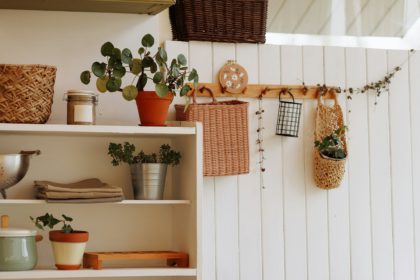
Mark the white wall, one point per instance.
(369, 228)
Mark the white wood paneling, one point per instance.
(415, 129)
(380, 179)
(358, 167)
(316, 198)
(367, 228)
(226, 197)
(338, 199)
(400, 136)
(250, 190)
(272, 195)
(294, 183)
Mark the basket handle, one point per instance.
(284, 91)
(321, 95)
(203, 88)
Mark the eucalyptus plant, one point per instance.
(167, 76)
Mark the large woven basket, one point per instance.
(225, 129)
(238, 21)
(328, 173)
(26, 93)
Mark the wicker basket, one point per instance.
(225, 129)
(237, 21)
(26, 93)
(328, 173)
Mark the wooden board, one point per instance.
(95, 259)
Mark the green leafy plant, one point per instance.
(126, 153)
(48, 220)
(332, 145)
(167, 76)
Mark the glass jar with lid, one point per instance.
(81, 107)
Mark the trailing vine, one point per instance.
(260, 139)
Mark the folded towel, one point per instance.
(53, 188)
(87, 183)
(64, 195)
(87, 200)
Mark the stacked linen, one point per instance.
(85, 191)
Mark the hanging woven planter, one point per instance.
(288, 116)
(328, 171)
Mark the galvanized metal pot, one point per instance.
(148, 180)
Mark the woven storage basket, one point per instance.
(26, 93)
(225, 129)
(328, 173)
(238, 21)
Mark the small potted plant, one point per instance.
(68, 244)
(169, 77)
(332, 146)
(148, 171)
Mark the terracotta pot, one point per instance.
(153, 109)
(68, 248)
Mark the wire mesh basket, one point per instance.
(288, 118)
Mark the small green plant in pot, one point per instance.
(68, 244)
(148, 171)
(169, 77)
(332, 146)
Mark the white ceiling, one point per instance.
(391, 18)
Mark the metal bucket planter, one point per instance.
(148, 180)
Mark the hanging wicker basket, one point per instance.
(26, 93)
(328, 172)
(225, 134)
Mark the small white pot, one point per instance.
(68, 248)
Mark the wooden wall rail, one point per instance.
(270, 91)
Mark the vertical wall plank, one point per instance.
(380, 179)
(203, 66)
(226, 197)
(338, 203)
(316, 198)
(414, 65)
(358, 166)
(272, 195)
(400, 131)
(294, 182)
(249, 189)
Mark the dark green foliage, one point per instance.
(332, 145)
(166, 78)
(48, 220)
(126, 153)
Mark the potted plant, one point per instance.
(68, 244)
(169, 77)
(332, 146)
(148, 171)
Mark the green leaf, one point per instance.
(106, 49)
(163, 55)
(67, 218)
(175, 71)
(119, 71)
(147, 62)
(141, 51)
(126, 56)
(182, 59)
(141, 83)
(101, 84)
(136, 66)
(161, 90)
(99, 69)
(193, 75)
(130, 92)
(157, 77)
(184, 90)
(67, 228)
(147, 41)
(113, 84)
(153, 68)
(116, 52)
(85, 77)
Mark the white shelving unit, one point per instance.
(71, 153)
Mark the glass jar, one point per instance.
(81, 107)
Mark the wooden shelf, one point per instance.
(103, 273)
(98, 130)
(124, 202)
(151, 7)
